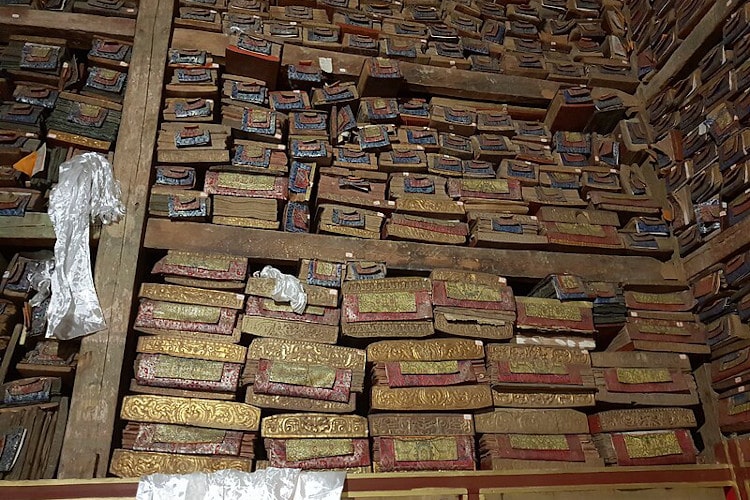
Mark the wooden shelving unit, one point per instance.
(94, 405)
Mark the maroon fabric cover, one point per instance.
(145, 319)
(499, 446)
(145, 374)
(683, 437)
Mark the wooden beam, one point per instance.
(718, 248)
(279, 247)
(689, 50)
(32, 230)
(589, 478)
(78, 29)
(88, 437)
(449, 82)
(709, 431)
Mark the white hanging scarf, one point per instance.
(86, 191)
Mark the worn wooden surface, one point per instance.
(689, 50)
(78, 29)
(95, 395)
(279, 247)
(709, 431)
(32, 230)
(602, 479)
(723, 245)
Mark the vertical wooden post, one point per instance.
(88, 437)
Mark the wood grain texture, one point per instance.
(278, 247)
(689, 51)
(88, 436)
(32, 230)
(78, 29)
(600, 479)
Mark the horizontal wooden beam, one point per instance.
(32, 230)
(77, 29)
(622, 478)
(280, 247)
(689, 49)
(718, 248)
(448, 82)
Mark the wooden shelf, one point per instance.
(471, 484)
(280, 247)
(77, 29)
(688, 52)
(718, 248)
(32, 230)
(449, 82)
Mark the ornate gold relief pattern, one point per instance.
(551, 309)
(307, 352)
(211, 262)
(424, 350)
(190, 295)
(186, 411)
(387, 302)
(387, 285)
(427, 449)
(537, 353)
(420, 424)
(126, 463)
(467, 397)
(306, 449)
(183, 348)
(306, 425)
(646, 418)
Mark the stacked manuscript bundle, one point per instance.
(179, 435)
(644, 436)
(646, 379)
(532, 439)
(661, 322)
(303, 376)
(264, 317)
(474, 305)
(187, 372)
(425, 376)
(538, 376)
(317, 441)
(422, 441)
(730, 371)
(387, 307)
(549, 321)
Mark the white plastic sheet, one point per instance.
(266, 484)
(288, 288)
(86, 191)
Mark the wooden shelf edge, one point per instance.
(718, 476)
(690, 46)
(34, 229)
(260, 244)
(718, 248)
(75, 27)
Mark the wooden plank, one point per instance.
(279, 247)
(689, 51)
(718, 248)
(88, 436)
(709, 431)
(450, 82)
(32, 230)
(601, 479)
(78, 29)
